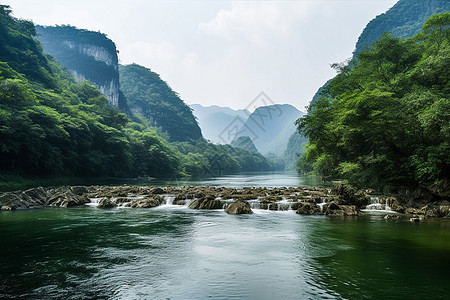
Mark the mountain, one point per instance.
(213, 120)
(404, 20)
(270, 127)
(87, 55)
(294, 150)
(150, 97)
(244, 142)
(50, 125)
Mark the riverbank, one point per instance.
(339, 201)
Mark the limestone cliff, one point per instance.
(87, 55)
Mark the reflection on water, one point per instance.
(177, 253)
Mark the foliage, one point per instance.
(50, 125)
(152, 98)
(53, 127)
(386, 122)
(404, 20)
(206, 159)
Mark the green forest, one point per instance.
(53, 126)
(385, 122)
(152, 100)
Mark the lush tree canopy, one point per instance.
(387, 120)
(50, 125)
(152, 98)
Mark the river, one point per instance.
(172, 252)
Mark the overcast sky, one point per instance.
(223, 52)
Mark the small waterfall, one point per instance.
(254, 204)
(284, 205)
(168, 199)
(377, 205)
(94, 201)
(321, 205)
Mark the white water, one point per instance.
(376, 206)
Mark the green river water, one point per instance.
(172, 252)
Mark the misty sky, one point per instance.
(223, 52)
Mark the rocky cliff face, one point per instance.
(87, 55)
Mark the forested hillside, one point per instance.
(151, 98)
(387, 120)
(51, 125)
(404, 20)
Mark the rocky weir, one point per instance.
(339, 201)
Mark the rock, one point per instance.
(391, 217)
(239, 207)
(66, 199)
(273, 206)
(35, 196)
(7, 208)
(333, 209)
(211, 204)
(444, 211)
(333, 206)
(196, 204)
(157, 191)
(12, 200)
(79, 190)
(106, 203)
(413, 211)
(414, 219)
(207, 202)
(147, 202)
(308, 209)
(349, 196)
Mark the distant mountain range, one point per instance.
(213, 120)
(268, 127)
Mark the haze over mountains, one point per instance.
(213, 120)
(268, 127)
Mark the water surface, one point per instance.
(172, 252)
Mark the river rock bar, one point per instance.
(339, 201)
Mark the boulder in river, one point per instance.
(106, 203)
(206, 203)
(308, 209)
(239, 207)
(334, 209)
(66, 199)
(147, 202)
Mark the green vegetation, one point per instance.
(244, 142)
(387, 120)
(53, 129)
(151, 98)
(51, 126)
(404, 20)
